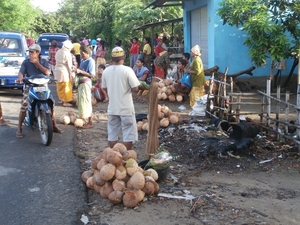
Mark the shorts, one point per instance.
(24, 102)
(128, 125)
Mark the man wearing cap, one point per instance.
(119, 81)
(33, 65)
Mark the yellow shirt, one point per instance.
(147, 48)
(76, 47)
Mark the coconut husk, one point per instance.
(152, 138)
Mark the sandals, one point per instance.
(19, 135)
(106, 100)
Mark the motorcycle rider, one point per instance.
(33, 65)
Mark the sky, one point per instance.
(46, 5)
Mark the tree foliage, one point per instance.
(110, 19)
(270, 26)
(17, 15)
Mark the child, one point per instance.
(142, 73)
(181, 88)
(98, 91)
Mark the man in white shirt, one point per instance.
(119, 81)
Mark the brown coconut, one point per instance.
(78, 122)
(129, 154)
(90, 183)
(140, 195)
(152, 173)
(131, 166)
(116, 197)
(101, 163)
(114, 158)
(95, 162)
(65, 119)
(137, 180)
(179, 98)
(139, 125)
(174, 119)
(105, 151)
(172, 98)
(119, 147)
(86, 175)
(120, 172)
(97, 188)
(107, 172)
(98, 180)
(130, 199)
(164, 122)
(150, 187)
(118, 185)
(106, 189)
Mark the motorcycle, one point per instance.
(40, 106)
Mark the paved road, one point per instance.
(38, 184)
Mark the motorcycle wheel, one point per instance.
(46, 129)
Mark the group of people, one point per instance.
(116, 82)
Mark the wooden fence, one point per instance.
(221, 105)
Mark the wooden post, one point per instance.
(268, 101)
(231, 97)
(277, 112)
(298, 112)
(298, 102)
(262, 108)
(287, 98)
(152, 138)
(210, 97)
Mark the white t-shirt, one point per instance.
(119, 79)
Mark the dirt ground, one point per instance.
(222, 189)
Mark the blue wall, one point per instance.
(225, 43)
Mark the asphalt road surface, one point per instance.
(38, 184)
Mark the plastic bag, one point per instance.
(186, 80)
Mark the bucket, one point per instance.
(243, 130)
(219, 123)
(162, 173)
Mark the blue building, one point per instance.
(221, 45)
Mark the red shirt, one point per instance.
(158, 49)
(135, 47)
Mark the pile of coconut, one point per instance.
(165, 117)
(71, 118)
(116, 176)
(166, 91)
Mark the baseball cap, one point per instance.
(98, 39)
(117, 54)
(35, 47)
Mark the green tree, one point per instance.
(47, 23)
(110, 19)
(16, 15)
(271, 26)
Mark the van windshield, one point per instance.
(46, 43)
(10, 47)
